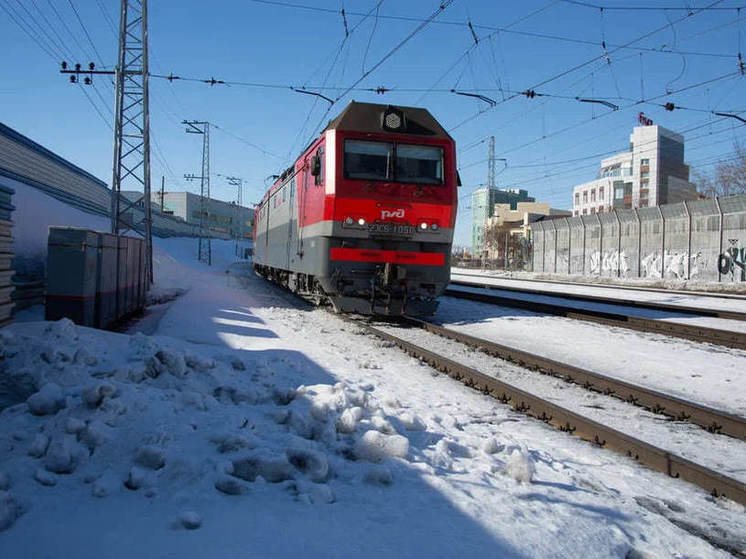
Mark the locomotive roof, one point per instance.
(366, 117)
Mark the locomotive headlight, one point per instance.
(423, 225)
(393, 121)
(361, 221)
(348, 221)
(434, 227)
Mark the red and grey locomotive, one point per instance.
(364, 218)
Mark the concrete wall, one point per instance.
(701, 240)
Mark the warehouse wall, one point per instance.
(52, 191)
(702, 240)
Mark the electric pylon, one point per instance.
(132, 127)
(204, 253)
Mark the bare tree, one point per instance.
(504, 248)
(729, 176)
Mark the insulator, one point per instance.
(77, 67)
(91, 66)
(87, 80)
(64, 65)
(669, 106)
(73, 79)
(530, 93)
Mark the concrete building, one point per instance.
(224, 217)
(651, 173)
(483, 202)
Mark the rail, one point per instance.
(735, 340)
(568, 421)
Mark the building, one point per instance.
(651, 173)
(483, 202)
(224, 217)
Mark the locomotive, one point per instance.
(364, 218)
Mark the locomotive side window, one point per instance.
(421, 164)
(367, 160)
(319, 177)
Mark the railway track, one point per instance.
(711, 419)
(652, 305)
(569, 421)
(722, 295)
(703, 334)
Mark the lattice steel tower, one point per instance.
(491, 163)
(132, 126)
(205, 249)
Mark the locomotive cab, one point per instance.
(374, 201)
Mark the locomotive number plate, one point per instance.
(395, 229)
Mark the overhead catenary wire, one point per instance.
(28, 31)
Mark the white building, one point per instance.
(651, 173)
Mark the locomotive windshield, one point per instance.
(373, 161)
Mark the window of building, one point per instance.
(577, 198)
(643, 203)
(593, 210)
(585, 211)
(600, 192)
(644, 174)
(619, 193)
(585, 197)
(593, 195)
(577, 212)
(644, 161)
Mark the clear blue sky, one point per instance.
(276, 44)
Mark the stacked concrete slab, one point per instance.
(702, 239)
(6, 254)
(95, 279)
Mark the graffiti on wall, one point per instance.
(733, 260)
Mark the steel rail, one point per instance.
(714, 420)
(568, 421)
(722, 295)
(735, 340)
(684, 309)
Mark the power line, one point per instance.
(80, 21)
(28, 32)
(644, 8)
(505, 30)
(581, 65)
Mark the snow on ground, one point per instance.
(710, 301)
(724, 288)
(249, 424)
(704, 373)
(728, 325)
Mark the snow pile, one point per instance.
(158, 416)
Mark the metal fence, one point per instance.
(702, 240)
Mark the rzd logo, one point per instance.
(388, 214)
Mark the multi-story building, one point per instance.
(651, 173)
(483, 202)
(226, 217)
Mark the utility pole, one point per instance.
(204, 253)
(491, 164)
(131, 165)
(238, 183)
(163, 184)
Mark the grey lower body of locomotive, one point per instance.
(358, 287)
